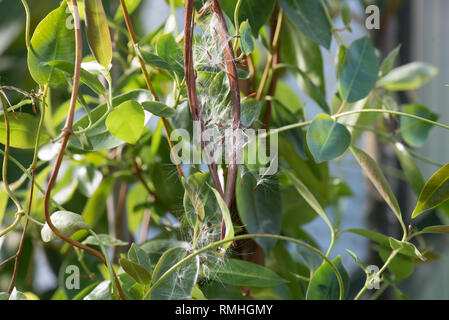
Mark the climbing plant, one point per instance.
(102, 181)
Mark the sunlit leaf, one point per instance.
(127, 121)
(411, 76)
(435, 191)
(97, 31)
(52, 40)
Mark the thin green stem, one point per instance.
(216, 244)
(236, 25)
(27, 25)
(378, 274)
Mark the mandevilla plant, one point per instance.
(180, 164)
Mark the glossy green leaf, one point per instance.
(127, 121)
(102, 291)
(377, 178)
(406, 248)
(241, 273)
(86, 77)
(246, 39)
(52, 40)
(180, 283)
(99, 136)
(259, 206)
(106, 240)
(310, 18)
(411, 76)
(23, 131)
(324, 285)
(359, 72)
(300, 51)
(435, 191)
(66, 222)
(97, 31)
(257, 12)
(327, 139)
(409, 167)
(414, 131)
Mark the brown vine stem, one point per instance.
(191, 87)
(148, 81)
(66, 132)
(235, 99)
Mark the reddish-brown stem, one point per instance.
(147, 78)
(66, 132)
(235, 97)
(191, 87)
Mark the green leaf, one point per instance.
(193, 206)
(159, 109)
(378, 179)
(97, 31)
(22, 131)
(301, 52)
(219, 88)
(241, 273)
(327, 139)
(388, 63)
(105, 239)
(99, 136)
(414, 131)
(406, 248)
(246, 39)
(257, 12)
(139, 256)
(436, 229)
(411, 76)
(409, 167)
(359, 72)
(259, 207)
(435, 191)
(229, 233)
(309, 198)
(136, 271)
(102, 291)
(86, 77)
(52, 40)
(310, 18)
(66, 222)
(250, 111)
(324, 285)
(346, 14)
(17, 295)
(180, 283)
(170, 52)
(4, 296)
(127, 121)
